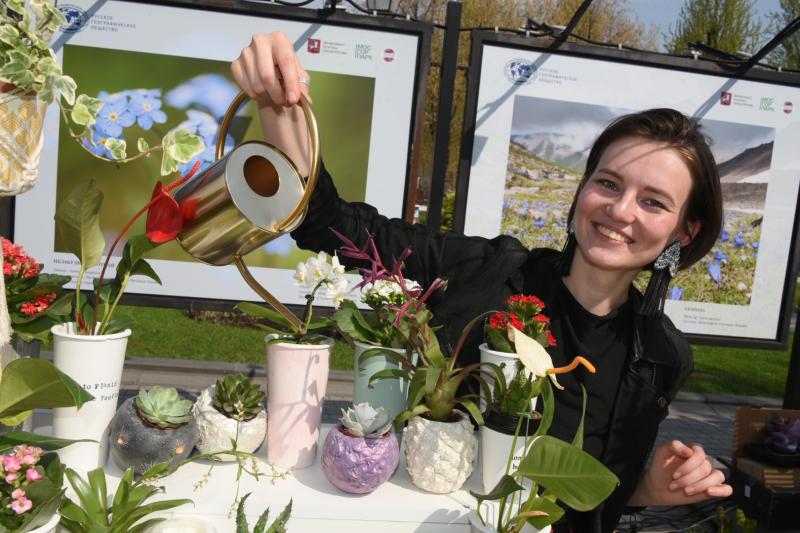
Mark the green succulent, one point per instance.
(163, 407)
(278, 526)
(237, 397)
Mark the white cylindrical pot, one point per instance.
(95, 362)
(48, 527)
(488, 511)
(182, 524)
(440, 455)
(215, 430)
(495, 447)
(498, 358)
(390, 393)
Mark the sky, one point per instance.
(665, 12)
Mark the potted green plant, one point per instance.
(297, 364)
(230, 411)
(361, 452)
(155, 426)
(544, 460)
(278, 526)
(385, 291)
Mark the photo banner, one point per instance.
(161, 67)
(536, 115)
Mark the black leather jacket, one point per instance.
(481, 273)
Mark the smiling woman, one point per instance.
(649, 200)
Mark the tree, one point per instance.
(727, 25)
(787, 54)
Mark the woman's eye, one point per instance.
(608, 184)
(654, 203)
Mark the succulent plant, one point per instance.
(278, 526)
(237, 397)
(163, 407)
(362, 420)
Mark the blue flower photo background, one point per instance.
(146, 95)
(549, 144)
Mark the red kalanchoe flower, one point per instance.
(551, 341)
(541, 318)
(498, 321)
(514, 320)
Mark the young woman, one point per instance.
(650, 199)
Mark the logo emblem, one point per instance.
(520, 71)
(725, 98)
(76, 18)
(388, 55)
(787, 107)
(314, 46)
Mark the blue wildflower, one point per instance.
(113, 117)
(676, 293)
(539, 223)
(147, 109)
(212, 92)
(97, 144)
(206, 127)
(739, 239)
(724, 236)
(720, 256)
(715, 271)
(561, 223)
(754, 244)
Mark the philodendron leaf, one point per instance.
(179, 146)
(85, 110)
(78, 224)
(578, 479)
(507, 485)
(540, 512)
(13, 438)
(35, 383)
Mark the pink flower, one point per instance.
(11, 463)
(21, 505)
(17, 494)
(11, 478)
(32, 474)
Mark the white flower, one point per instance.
(533, 355)
(301, 274)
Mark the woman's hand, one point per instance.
(269, 72)
(679, 475)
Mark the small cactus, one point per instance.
(362, 420)
(163, 407)
(237, 397)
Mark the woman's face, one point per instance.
(633, 205)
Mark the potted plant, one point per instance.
(362, 451)
(30, 490)
(278, 526)
(385, 292)
(154, 427)
(31, 299)
(125, 512)
(512, 390)
(297, 365)
(230, 411)
(544, 460)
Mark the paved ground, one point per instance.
(694, 418)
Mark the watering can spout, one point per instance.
(250, 196)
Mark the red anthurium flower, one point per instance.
(164, 219)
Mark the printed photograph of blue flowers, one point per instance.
(548, 148)
(147, 95)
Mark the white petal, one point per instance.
(531, 353)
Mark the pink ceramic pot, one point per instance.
(297, 375)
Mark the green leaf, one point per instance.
(554, 512)
(117, 147)
(431, 379)
(96, 510)
(411, 413)
(179, 146)
(506, 486)
(279, 525)
(548, 403)
(578, 479)
(498, 341)
(241, 520)
(35, 383)
(78, 224)
(578, 440)
(473, 409)
(259, 311)
(390, 373)
(14, 438)
(66, 86)
(16, 419)
(142, 145)
(84, 111)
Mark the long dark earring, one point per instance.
(665, 268)
(564, 262)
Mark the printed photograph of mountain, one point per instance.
(548, 148)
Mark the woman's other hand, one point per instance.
(679, 475)
(269, 72)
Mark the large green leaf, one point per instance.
(13, 438)
(259, 311)
(554, 512)
(35, 383)
(78, 224)
(506, 486)
(578, 479)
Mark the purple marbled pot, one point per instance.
(357, 464)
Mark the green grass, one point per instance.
(170, 333)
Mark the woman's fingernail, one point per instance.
(673, 486)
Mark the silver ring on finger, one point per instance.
(305, 81)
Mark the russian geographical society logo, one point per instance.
(76, 18)
(520, 71)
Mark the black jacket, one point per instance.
(481, 273)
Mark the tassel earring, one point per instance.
(665, 268)
(564, 262)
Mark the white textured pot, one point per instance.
(48, 527)
(215, 430)
(20, 140)
(440, 455)
(95, 362)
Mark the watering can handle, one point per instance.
(313, 170)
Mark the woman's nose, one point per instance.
(622, 209)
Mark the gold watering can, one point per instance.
(250, 196)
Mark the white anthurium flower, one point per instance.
(533, 355)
